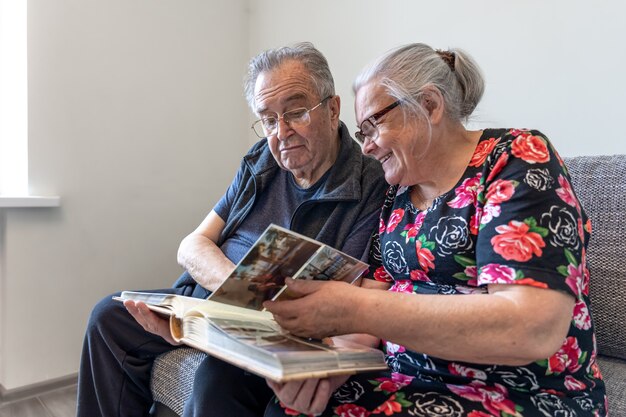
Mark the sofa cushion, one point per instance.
(614, 374)
(172, 377)
(600, 184)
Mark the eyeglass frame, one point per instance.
(373, 120)
(288, 122)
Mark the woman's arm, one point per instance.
(511, 325)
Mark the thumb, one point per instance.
(301, 287)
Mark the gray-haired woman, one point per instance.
(481, 246)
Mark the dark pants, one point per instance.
(116, 362)
(223, 390)
(116, 365)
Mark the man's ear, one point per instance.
(434, 104)
(334, 104)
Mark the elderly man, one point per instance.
(306, 174)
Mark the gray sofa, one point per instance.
(600, 183)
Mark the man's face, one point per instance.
(307, 152)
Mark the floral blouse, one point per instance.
(513, 218)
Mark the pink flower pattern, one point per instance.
(467, 192)
(493, 227)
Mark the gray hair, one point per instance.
(303, 52)
(406, 70)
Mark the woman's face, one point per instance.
(401, 141)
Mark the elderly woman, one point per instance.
(482, 246)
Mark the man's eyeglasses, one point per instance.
(369, 126)
(296, 118)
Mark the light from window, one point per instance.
(13, 99)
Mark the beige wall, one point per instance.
(137, 120)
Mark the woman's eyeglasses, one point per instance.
(369, 126)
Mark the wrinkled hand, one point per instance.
(307, 396)
(320, 309)
(150, 321)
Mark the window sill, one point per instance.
(29, 201)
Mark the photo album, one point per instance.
(233, 326)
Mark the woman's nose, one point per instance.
(368, 146)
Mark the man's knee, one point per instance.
(104, 315)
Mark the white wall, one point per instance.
(135, 120)
(552, 65)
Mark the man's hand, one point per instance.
(307, 396)
(150, 321)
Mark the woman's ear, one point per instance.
(434, 104)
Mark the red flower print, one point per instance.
(596, 370)
(381, 226)
(401, 379)
(581, 318)
(414, 228)
(467, 192)
(573, 384)
(517, 132)
(576, 278)
(500, 163)
(532, 149)
(411, 231)
(470, 272)
(382, 275)
(588, 227)
(483, 149)
(566, 358)
(474, 223)
(419, 275)
(388, 386)
(392, 348)
(456, 369)
(489, 212)
(402, 286)
(566, 193)
(500, 191)
(389, 407)
(479, 414)
(581, 231)
(393, 384)
(424, 256)
(351, 410)
(496, 274)
(531, 282)
(494, 398)
(394, 219)
(290, 411)
(516, 242)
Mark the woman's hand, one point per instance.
(307, 396)
(321, 308)
(150, 321)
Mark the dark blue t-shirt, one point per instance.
(276, 205)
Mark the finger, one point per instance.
(288, 393)
(322, 395)
(275, 386)
(285, 309)
(306, 394)
(131, 307)
(302, 287)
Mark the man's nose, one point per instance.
(283, 130)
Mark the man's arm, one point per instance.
(199, 254)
